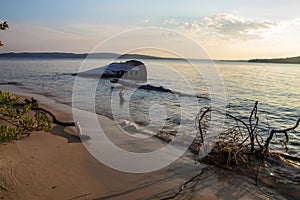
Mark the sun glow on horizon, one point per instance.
(230, 31)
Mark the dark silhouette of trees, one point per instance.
(3, 26)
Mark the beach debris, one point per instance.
(78, 128)
(241, 148)
(76, 124)
(128, 126)
(243, 134)
(80, 132)
(35, 106)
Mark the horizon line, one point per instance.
(153, 56)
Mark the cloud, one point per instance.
(226, 36)
(226, 27)
(223, 36)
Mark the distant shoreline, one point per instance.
(291, 60)
(63, 55)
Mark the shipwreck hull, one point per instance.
(131, 70)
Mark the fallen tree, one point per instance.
(35, 106)
(17, 122)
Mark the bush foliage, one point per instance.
(3, 26)
(15, 120)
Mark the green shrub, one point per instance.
(16, 122)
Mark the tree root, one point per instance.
(35, 106)
(55, 120)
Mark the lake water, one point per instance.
(274, 86)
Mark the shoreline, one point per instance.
(56, 165)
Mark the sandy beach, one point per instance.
(149, 100)
(56, 165)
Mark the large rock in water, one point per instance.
(131, 69)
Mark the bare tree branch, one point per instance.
(269, 138)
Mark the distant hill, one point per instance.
(42, 55)
(60, 55)
(292, 60)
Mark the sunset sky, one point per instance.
(228, 29)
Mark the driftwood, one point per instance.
(251, 128)
(55, 120)
(35, 106)
(233, 147)
(285, 131)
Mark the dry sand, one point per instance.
(56, 165)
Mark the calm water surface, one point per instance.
(274, 86)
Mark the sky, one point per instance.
(225, 29)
